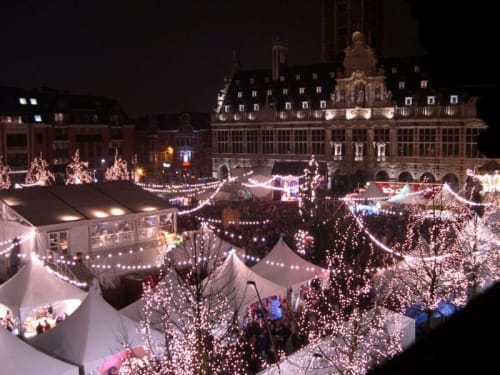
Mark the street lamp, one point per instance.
(266, 323)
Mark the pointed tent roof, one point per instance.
(373, 192)
(285, 267)
(34, 286)
(17, 357)
(406, 196)
(231, 278)
(93, 333)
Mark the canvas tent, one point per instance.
(17, 357)
(312, 358)
(231, 279)
(95, 333)
(286, 268)
(406, 196)
(33, 287)
(373, 192)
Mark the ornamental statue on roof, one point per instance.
(118, 171)
(77, 171)
(4, 175)
(39, 173)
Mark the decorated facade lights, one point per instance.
(4, 175)
(39, 173)
(118, 171)
(77, 171)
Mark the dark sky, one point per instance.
(161, 56)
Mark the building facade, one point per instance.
(44, 122)
(363, 120)
(173, 148)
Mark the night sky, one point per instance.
(171, 56)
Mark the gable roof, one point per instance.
(55, 204)
(285, 267)
(34, 286)
(93, 333)
(17, 357)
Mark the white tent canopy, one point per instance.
(95, 332)
(231, 279)
(285, 267)
(34, 286)
(312, 356)
(17, 357)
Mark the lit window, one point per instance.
(23, 101)
(254, 93)
(401, 84)
(9, 119)
(285, 91)
(240, 94)
(408, 100)
(33, 101)
(394, 70)
(288, 105)
(38, 118)
(322, 104)
(241, 107)
(423, 84)
(305, 105)
(282, 78)
(417, 68)
(315, 75)
(256, 107)
(227, 108)
(453, 99)
(301, 90)
(252, 81)
(297, 77)
(318, 89)
(269, 92)
(431, 100)
(332, 74)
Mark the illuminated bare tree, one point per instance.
(118, 171)
(77, 171)
(200, 326)
(4, 175)
(39, 173)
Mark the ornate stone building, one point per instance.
(364, 120)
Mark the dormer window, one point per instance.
(288, 105)
(417, 68)
(254, 93)
(394, 70)
(315, 75)
(453, 99)
(301, 90)
(282, 78)
(297, 77)
(431, 100)
(322, 104)
(285, 91)
(305, 105)
(23, 101)
(227, 108)
(423, 84)
(269, 92)
(240, 94)
(256, 107)
(38, 118)
(318, 89)
(252, 81)
(408, 100)
(33, 101)
(241, 108)
(401, 84)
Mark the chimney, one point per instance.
(280, 50)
